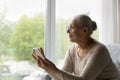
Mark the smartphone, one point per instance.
(38, 53)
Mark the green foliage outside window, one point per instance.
(18, 40)
(28, 33)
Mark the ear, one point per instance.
(85, 30)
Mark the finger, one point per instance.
(42, 50)
(34, 56)
(37, 57)
(40, 59)
(34, 53)
(41, 63)
(47, 61)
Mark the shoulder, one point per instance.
(101, 47)
(101, 52)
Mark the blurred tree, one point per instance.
(29, 33)
(5, 32)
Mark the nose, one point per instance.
(68, 31)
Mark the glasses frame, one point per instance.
(71, 27)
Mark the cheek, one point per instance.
(76, 34)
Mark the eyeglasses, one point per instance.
(72, 27)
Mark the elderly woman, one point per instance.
(88, 59)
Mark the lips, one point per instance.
(70, 35)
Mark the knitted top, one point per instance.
(95, 65)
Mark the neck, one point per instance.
(85, 43)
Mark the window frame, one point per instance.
(50, 30)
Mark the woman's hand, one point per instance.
(45, 64)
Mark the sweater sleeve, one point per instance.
(94, 66)
(68, 64)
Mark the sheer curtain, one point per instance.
(110, 29)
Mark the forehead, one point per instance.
(73, 21)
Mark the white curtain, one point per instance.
(110, 29)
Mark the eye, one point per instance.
(72, 27)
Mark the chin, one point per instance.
(72, 40)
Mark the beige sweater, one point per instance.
(96, 65)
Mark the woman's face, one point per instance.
(75, 32)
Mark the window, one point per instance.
(65, 10)
(22, 25)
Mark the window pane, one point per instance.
(22, 28)
(65, 10)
